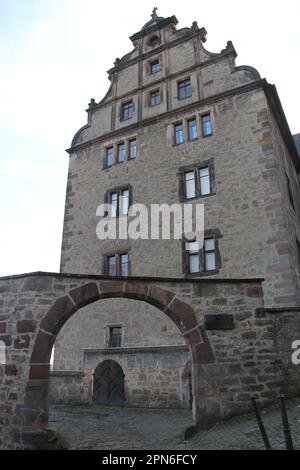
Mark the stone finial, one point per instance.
(92, 103)
(154, 13)
(117, 61)
(195, 26)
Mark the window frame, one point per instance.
(134, 139)
(196, 167)
(123, 107)
(155, 93)
(209, 234)
(202, 116)
(119, 145)
(187, 84)
(117, 254)
(181, 123)
(108, 335)
(110, 147)
(152, 63)
(188, 129)
(118, 190)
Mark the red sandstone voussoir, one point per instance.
(42, 348)
(86, 294)
(111, 289)
(58, 314)
(160, 297)
(136, 290)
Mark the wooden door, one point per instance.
(108, 386)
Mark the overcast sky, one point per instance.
(54, 55)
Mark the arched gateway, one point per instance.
(38, 305)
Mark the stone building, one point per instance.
(179, 124)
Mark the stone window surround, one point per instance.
(184, 121)
(148, 97)
(184, 79)
(148, 63)
(121, 108)
(115, 152)
(209, 233)
(118, 190)
(196, 167)
(107, 334)
(117, 253)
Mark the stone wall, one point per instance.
(233, 344)
(154, 377)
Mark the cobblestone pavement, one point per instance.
(96, 427)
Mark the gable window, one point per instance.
(192, 129)
(120, 200)
(178, 132)
(132, 149)
(204, 261)
(155, 66)
(289, 187)
(121, 152)
(154, 98)
(154, 41)
(206, 125)
(196, 180)
(109, 157)
(115, 337)
(116, 264)
(127, 110)
(184, 88)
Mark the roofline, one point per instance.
(280, 117)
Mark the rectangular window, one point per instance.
(115, 337)
(116, 265)
(109, 157)
(193, 257)
(206, 125)
(124, 202)
(190, 186)
(114, 203)
(204, 181)
(179, 137)
(121, 152)
(210, 254)
(184, 89)
(205, 260)
(124, 264)
(154, 98)
(111, 266)
(127, 110)
(155, 66)
(192, 127)
(132, 149)
(119, 200)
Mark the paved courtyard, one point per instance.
(96, 427)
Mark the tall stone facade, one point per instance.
(174, 108)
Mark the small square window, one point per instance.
(154, 98)
(184, 88)
(206, 125)
(127, 110)
(179, 137)
(155, 67)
